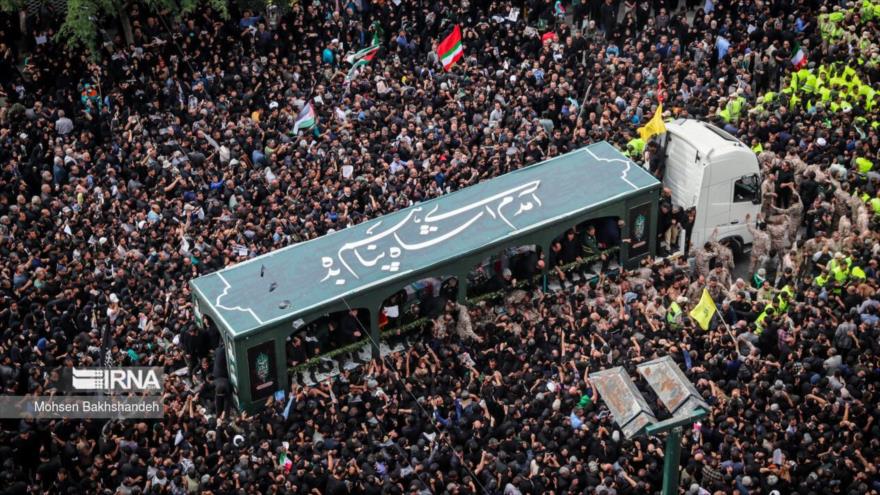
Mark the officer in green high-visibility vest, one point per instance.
(810, 83)
(675, 313)
(875, 203)
(635, 147)
(784, 298)
(866, 91)
(724, 110)
(838, 266)
(736, 106)
(858, 274)
(867, 11)
(794, 84)
(770, 311)
(825, 94)
(863, 164)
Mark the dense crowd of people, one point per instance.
(127, 174)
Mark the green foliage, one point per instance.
(80, 27)
(11, 5)
(81, 24)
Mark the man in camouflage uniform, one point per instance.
(844, 226)
(793, 215)
(716, 290)
(695, 289)
(722, 274)
(768, 192)
(779, 240)
(798, 166)
(725, 255)
(760, 244)
(863, 220)
(703, 257)
(814, 245)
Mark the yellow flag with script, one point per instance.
(704, 310)
(654, 126)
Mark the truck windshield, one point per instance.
(722, 133)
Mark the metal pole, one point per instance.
(374, 330)
(672, 455)
(671, 461)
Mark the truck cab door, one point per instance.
(718, 202)
(746, 201)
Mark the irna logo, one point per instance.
(117, 379)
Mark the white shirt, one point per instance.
(63, 126)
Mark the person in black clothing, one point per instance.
(687, 220)
(350, 328)
(657, 163)
(500, 281)
(608, 17)
(297, 352)
(808, 189)
(784, 184)
(643, 13)
(572, 248)
(556, 255)
(195, 344)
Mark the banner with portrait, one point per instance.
(639, 230)
(262, 370)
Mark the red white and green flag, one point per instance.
(798, 57)
(365, 54)
(285, 462)
(450, 49)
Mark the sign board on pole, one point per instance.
(672, 386)
(627, 406)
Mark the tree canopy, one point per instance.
(81, 25)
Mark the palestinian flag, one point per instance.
(360, 59)
(355, 70)
(366, 54)
(798, 57)
(306, 118)
(450, 49)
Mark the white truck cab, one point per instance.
(710, 169)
